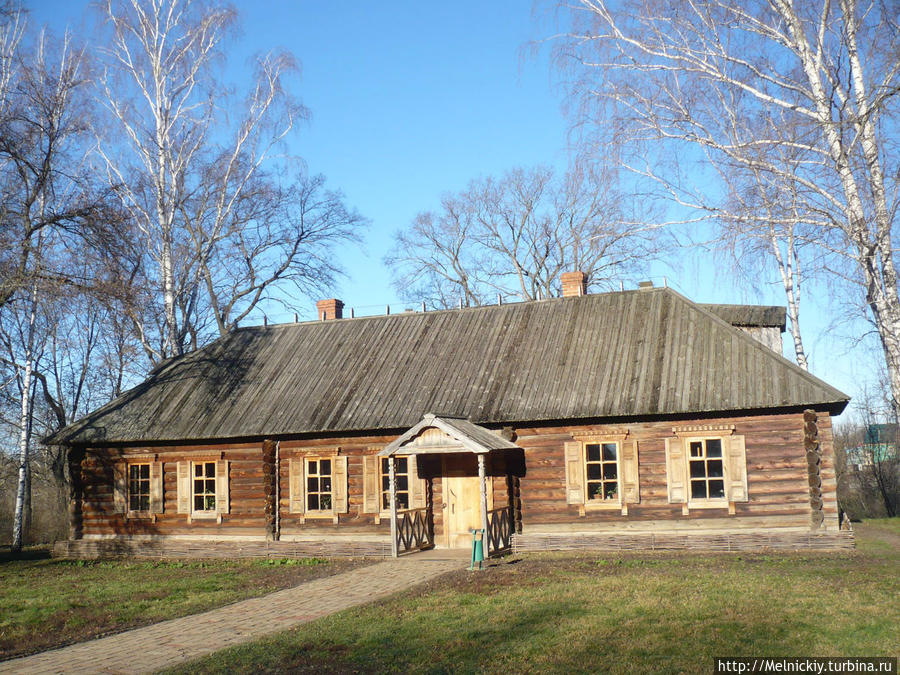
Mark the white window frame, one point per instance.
(204, 513)
(705, 502)
(313, 513)
(128, 493)
(602, 503)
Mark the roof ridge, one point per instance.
(447, 310)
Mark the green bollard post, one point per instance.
(477, 549)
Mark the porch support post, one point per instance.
(392, 479)
(484, 509)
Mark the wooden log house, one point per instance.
(628, 420)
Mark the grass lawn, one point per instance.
(46, 603)
(608, 613)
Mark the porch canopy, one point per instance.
(435, 435)
(459, 435)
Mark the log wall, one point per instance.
(777, 469)
(355, 520)
(246, 491)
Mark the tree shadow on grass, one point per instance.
(28, 553)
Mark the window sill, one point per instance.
(318, 514)
(603, 505)
(722, 504)
(140, 515)
(204, 515)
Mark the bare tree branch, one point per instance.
(515, 235)
(793, 103)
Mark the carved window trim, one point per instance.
(703, 430)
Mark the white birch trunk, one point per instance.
(168, 283)
(789, 268)
(19, 517)
(874, 253)
(887, 321)
(24, 435)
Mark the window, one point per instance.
(401, 473)
(706, 469)
(602, 471)
(139, 487)
(204, 486)
(602, 464)
(318, 485)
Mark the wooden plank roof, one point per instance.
(632, 353)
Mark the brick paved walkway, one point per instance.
(172, 642)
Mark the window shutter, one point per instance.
(371, 484)
(222, 497)
(296, 481)
(156, 487)
(184, 487)
(574, 473)
(416, 484)
(676, 471)
(631, 489)
(120, 487)
(737, 470)
(339, 485)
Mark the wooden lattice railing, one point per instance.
(415, 530)
(500, 530)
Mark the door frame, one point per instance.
(445, 495)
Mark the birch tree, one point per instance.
(516, 234)
(741, 87)
(50, 210)
(764, 225)
(24, 371)
(45, 181)
(65, 349)
(12, 27)
(202, 174)
(158, 87)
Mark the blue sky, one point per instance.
(413, 99)
(410, 100)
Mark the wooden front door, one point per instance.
(463, 509)
(462, 495)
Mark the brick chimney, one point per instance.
(573, 284)
(331, 308)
